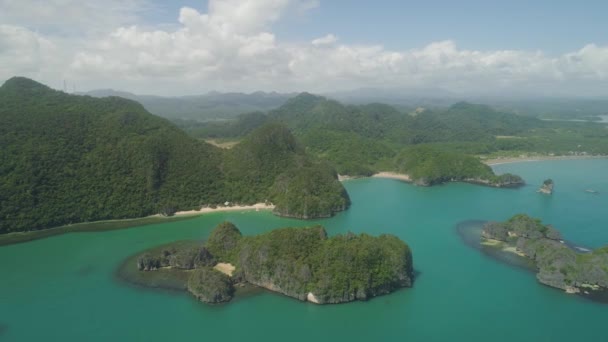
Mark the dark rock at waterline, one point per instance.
(210, 286)
(558, 264)
(547, 187)
(302, 263)
(176, 257)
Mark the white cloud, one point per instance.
(231, 46)
(326, 40)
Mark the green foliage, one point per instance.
(309, 191)
(209, 285)
(223, 241)
(350, 153)
(428, 165)
(296, 261)
(67, 159)
(361, 140)
(363, 264)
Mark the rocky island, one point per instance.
(302, 263)
(427, 166)
(557, 263)
(547, 187)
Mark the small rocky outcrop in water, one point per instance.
(183, 257)
(302, 263)
(210, 286)
(558, 265)
(547, 187)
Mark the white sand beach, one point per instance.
(393, 175)
(207, 210)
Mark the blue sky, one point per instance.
(553, 26)
(554, 48)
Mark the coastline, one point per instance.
(523, 159)
(393, 175)
(208, 210)
(116, 224)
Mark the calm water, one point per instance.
(63, 288)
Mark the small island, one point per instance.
(558, 264)
(547, 187)
(302, 263)
(428, 166)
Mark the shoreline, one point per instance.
(209, 210)
(382, 174)
(117, 224)
(393, 175)
(511, 160)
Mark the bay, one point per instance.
(65, 288)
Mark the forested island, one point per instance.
(68, 159)
(427, 166)
(302, 263)
(557, 263)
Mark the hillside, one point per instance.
(363, 139)
(269, 164)
(302, 263)
(68, 159)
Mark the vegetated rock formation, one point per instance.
(547, 187)
(558, 265)
(429, 166)
(69, 159)
(302, 263)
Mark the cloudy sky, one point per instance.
(556, 48)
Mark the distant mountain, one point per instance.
(68, 159)
(355, 138)
(208, 107)
(402, 97)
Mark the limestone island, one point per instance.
(547, 187)
(428, 166)
(302, 263)
(557, 263)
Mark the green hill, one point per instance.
(68, 159)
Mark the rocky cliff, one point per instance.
(547, 187)
(302, 263)
(558, 265)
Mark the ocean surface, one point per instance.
(64, 288)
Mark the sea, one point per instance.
(65, 288)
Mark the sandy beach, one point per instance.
(508, 160)
(393, 175)
(207, 210)
(225, 268)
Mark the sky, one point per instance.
(549, 48)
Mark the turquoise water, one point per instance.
(64, 288)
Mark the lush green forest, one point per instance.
(293, 261)
(68, 159)
(557, 263)
(427, 166)
(363, 139)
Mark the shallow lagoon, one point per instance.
(64, 287)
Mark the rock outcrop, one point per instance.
(180, 257)
(547, 187)
(210, 286)
(558, 265)
(302, 263)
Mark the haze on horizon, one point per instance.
(192, 47)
